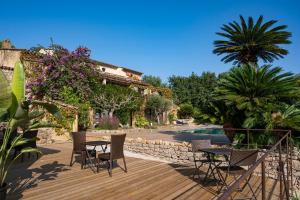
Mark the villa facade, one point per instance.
(111, 73)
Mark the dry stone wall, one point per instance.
(173, 151)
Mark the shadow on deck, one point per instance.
(51, 177)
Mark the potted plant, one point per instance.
(16, 111)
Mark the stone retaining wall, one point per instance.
(172, 151)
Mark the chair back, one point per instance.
(117, 146)
(243, 157)
(32, 134)
(79, 139)
(200, 144)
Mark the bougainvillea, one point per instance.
(56, 67)
(59, 74)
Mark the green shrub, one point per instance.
(172, 117)
(69, 96)
(186, 111)
(199, 117)
(123, 115)
(238, 140)
(141, 122)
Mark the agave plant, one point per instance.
(248, 42)
(18, 112)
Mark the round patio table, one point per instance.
(213, 163)
(94, 144)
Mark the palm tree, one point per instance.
(248, 42)
(254, 90)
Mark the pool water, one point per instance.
(215, 135)
(205, 131)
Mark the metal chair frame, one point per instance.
(197, 145)
(238, 159)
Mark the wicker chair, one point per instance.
(240, 161)
(197, 145)
(31, 136)
(116, 152)
(79, 148)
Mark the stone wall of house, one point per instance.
(8, 58)
(7, 72)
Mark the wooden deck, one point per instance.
(50, 177)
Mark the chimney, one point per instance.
(6, 44)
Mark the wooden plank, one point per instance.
(52, 178)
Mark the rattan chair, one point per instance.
(239, 162)
(79, 148)
(197, 145)
(116, 152)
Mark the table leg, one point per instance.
(92, 165)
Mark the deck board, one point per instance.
(50, 177)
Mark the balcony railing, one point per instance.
(282, 149)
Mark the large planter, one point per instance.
(228, 131)
(3, 191)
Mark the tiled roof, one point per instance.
(115, 67)
(121, 79)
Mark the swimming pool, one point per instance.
(215, 135)
(210, 131)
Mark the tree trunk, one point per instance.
(111, 113)
(157, 117)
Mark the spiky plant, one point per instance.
(249, 41)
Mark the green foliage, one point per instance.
(18, 82)
(295, 141)
(152, 80)
(254, 90)
(283, 116)
(249, 41)
(69, 77)
(172, 117)
(219, 112)
(262, 140)
(185, 111)
(69, 96)
(157, 104)
(196, 90)
(5, 95)
(238, 140)
(123, 115)
(23, 114)
(141, 122)
(110, 98)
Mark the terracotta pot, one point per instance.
(3, 191)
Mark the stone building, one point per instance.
(110, 73)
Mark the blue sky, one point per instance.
(160, 38)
